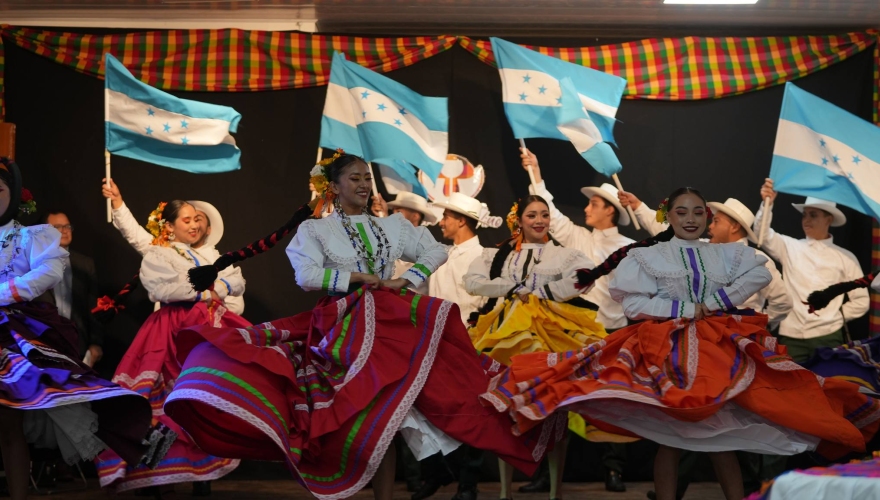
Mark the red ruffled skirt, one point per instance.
(717, 384)
(327, 389)
(151, 369)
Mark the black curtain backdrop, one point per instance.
(722, 147)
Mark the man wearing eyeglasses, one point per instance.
(78, 292)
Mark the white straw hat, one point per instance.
(734, 209)
(414, 202)
(469, 207)
(830, 207)
(215, 221)
(609, 193)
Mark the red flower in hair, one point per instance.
(26, 195)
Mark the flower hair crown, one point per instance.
(320, 180)
(158, 227)
(512, 219)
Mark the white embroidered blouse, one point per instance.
(31, 261)
(668, 279)
(546, 270)
(323, 255)
(164, 274)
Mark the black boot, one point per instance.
(614, 482)
(540, 483)
(466, 493)
(430, 486)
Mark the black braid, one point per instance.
(505, 248)
(821, 298)
(203, 277)
(106, 308)
(586, 277)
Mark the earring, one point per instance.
(171, 236)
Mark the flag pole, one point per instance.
(375, 189)
(629, 210)
(529, 169)
(765, 221)
(107, 176)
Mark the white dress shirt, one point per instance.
(546, 270)
(812, 265)
(31, 262)
(597, 245)
(668, 279)
(448, 281)
(141, 240)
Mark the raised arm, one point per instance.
(647, 218)
(564, 230)
(478, 283)
(47, 260)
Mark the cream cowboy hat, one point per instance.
(414, 202)
(609, 194)
(469, 207)
(830, 207)
(214, 220)
(734, 209)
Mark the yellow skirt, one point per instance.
(514, 327)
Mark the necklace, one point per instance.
(377, 260)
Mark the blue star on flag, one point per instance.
(365, 94)
(150, 111)
(542, 89)
(850, 175)
(183, 124)
(364, 113)
(559, 100)
(166, 127)
(526, 78)
(398, 123)
(835, 158)
(856, 159)
(522, 97)
(824, 161)
(184, 140)
(822, 142)
(381, 107)
(403, 111)
(149, 131)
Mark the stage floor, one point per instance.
(275, 489)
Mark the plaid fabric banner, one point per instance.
(227, 60)
(704, 68)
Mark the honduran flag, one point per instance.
(381, 120)
(146, 124)
(536, 106)
(826, 152)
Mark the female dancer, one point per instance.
(150, 366)
(538, 278)
(326, 390)
(690, 376)
(66, 405)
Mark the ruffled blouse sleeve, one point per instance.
(46, 261)
(564, 289)
(637, 291)
(478, 283)
(231, 283)
(419, 247)
(306, 255)
(748, 275)
(163, 282)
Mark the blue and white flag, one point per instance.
(396, 171)
(826, 152)
(532, 95)
(374, 117)
(146, 124)
(574, 122)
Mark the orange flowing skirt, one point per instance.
(717, 384)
